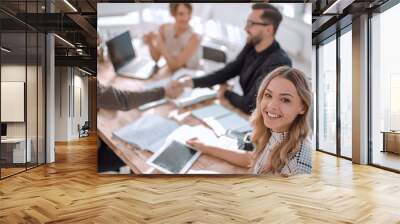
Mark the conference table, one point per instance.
(109, 121)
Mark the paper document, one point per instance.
(177, 75)
(153, 104)
(213, 111)
(205, 135)
(185, 132)
(231, 122)
(193, 96)
(188, 97)
(148, 132)
(188, 72)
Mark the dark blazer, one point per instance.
(251, 67)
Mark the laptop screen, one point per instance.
(120, 49)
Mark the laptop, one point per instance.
(125, 60)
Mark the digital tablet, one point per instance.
(175, 158)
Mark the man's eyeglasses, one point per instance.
(250, 23)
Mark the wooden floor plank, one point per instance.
(70, 191)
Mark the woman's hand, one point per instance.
(149, 38)
(236, 157)
(198, 145)
(161, 45)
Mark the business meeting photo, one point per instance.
(195, 88)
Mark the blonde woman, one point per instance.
(280, 128)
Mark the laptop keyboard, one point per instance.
(146, 68)
(135, 65)
(139, 69)
(140, 64)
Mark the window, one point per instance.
(22, 76)
(385, 89)
(327, 97)
(346, 94)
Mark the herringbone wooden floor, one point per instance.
(70, 191)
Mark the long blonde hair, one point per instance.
(298, 131)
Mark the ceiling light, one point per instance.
(329, 9)
(70, 5)
(86, 72)
(338, 6)
(64, 40)
(5, 50)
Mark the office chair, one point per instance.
(84, 130)
(214, 54)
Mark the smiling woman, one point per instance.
(281, 128)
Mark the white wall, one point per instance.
(12, 73)
(62, 80)
(82, 82)
(69, 81)
(33, 126)
(80, 103)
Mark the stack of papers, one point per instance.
(148, 132)
(221, 119)
(214, 111)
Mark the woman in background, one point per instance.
(176, 42)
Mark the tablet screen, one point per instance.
(174, 157)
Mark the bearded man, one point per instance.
(261, 54)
